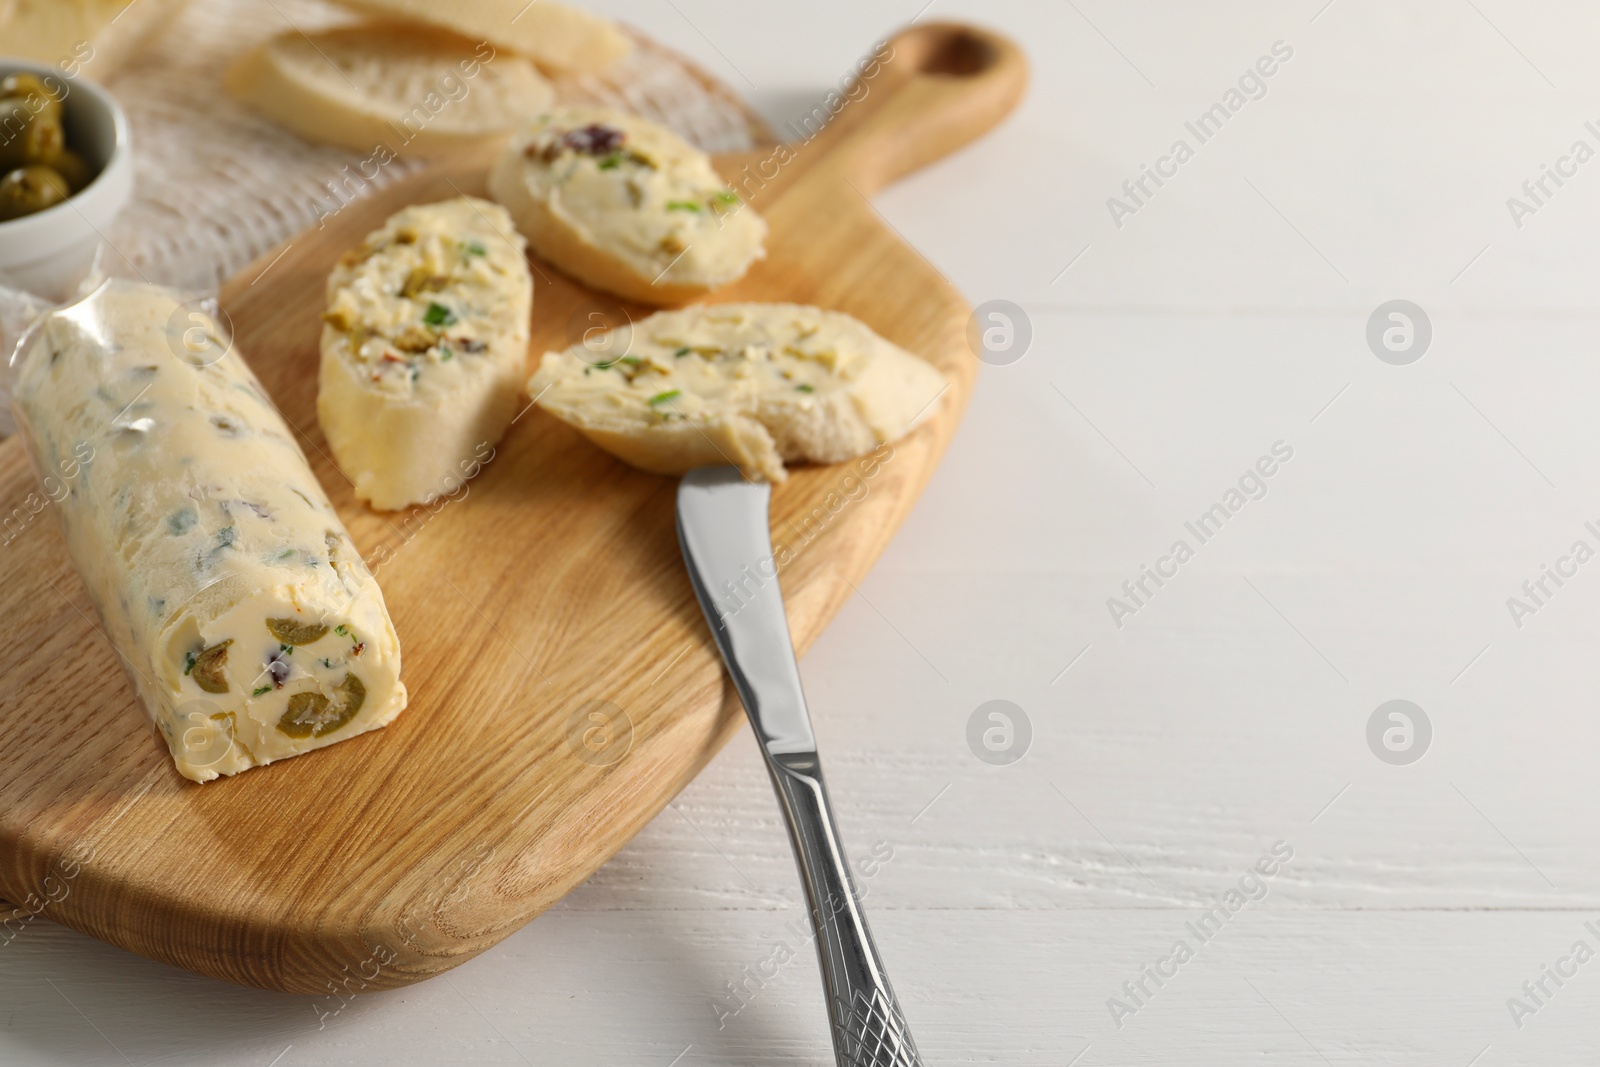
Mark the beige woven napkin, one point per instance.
(216, 186)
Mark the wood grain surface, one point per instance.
(552, 582)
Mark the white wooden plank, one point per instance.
(1016, 987)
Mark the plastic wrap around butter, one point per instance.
(243, 613)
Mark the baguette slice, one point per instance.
(752, 384)
(553, 35)
(424, 350)
(94, 37)
(627, 206)
(411, 89)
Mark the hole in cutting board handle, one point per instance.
(949, 50)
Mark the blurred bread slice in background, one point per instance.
(90, 37)
(553, 35)
(413, 88)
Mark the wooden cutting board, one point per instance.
(564, 686)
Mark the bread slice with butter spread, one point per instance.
(755, 385)
(424, 350)
(627, 206)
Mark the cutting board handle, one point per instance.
(927, 91)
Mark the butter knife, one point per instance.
(723, 531)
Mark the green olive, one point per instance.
(208, 667)
(47, 143)
(354, 694)
(30, 189)
(33, 89)
(74, 168)
(306, 712)
(295, 632)
(26, 136)
(312, 714)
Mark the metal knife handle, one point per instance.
(869, 1029)
(727, 547)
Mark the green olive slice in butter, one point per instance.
(312, 714)
(208, 666)
(295, 632)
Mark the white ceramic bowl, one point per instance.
(48, 252)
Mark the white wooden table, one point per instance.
(1228, 312)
